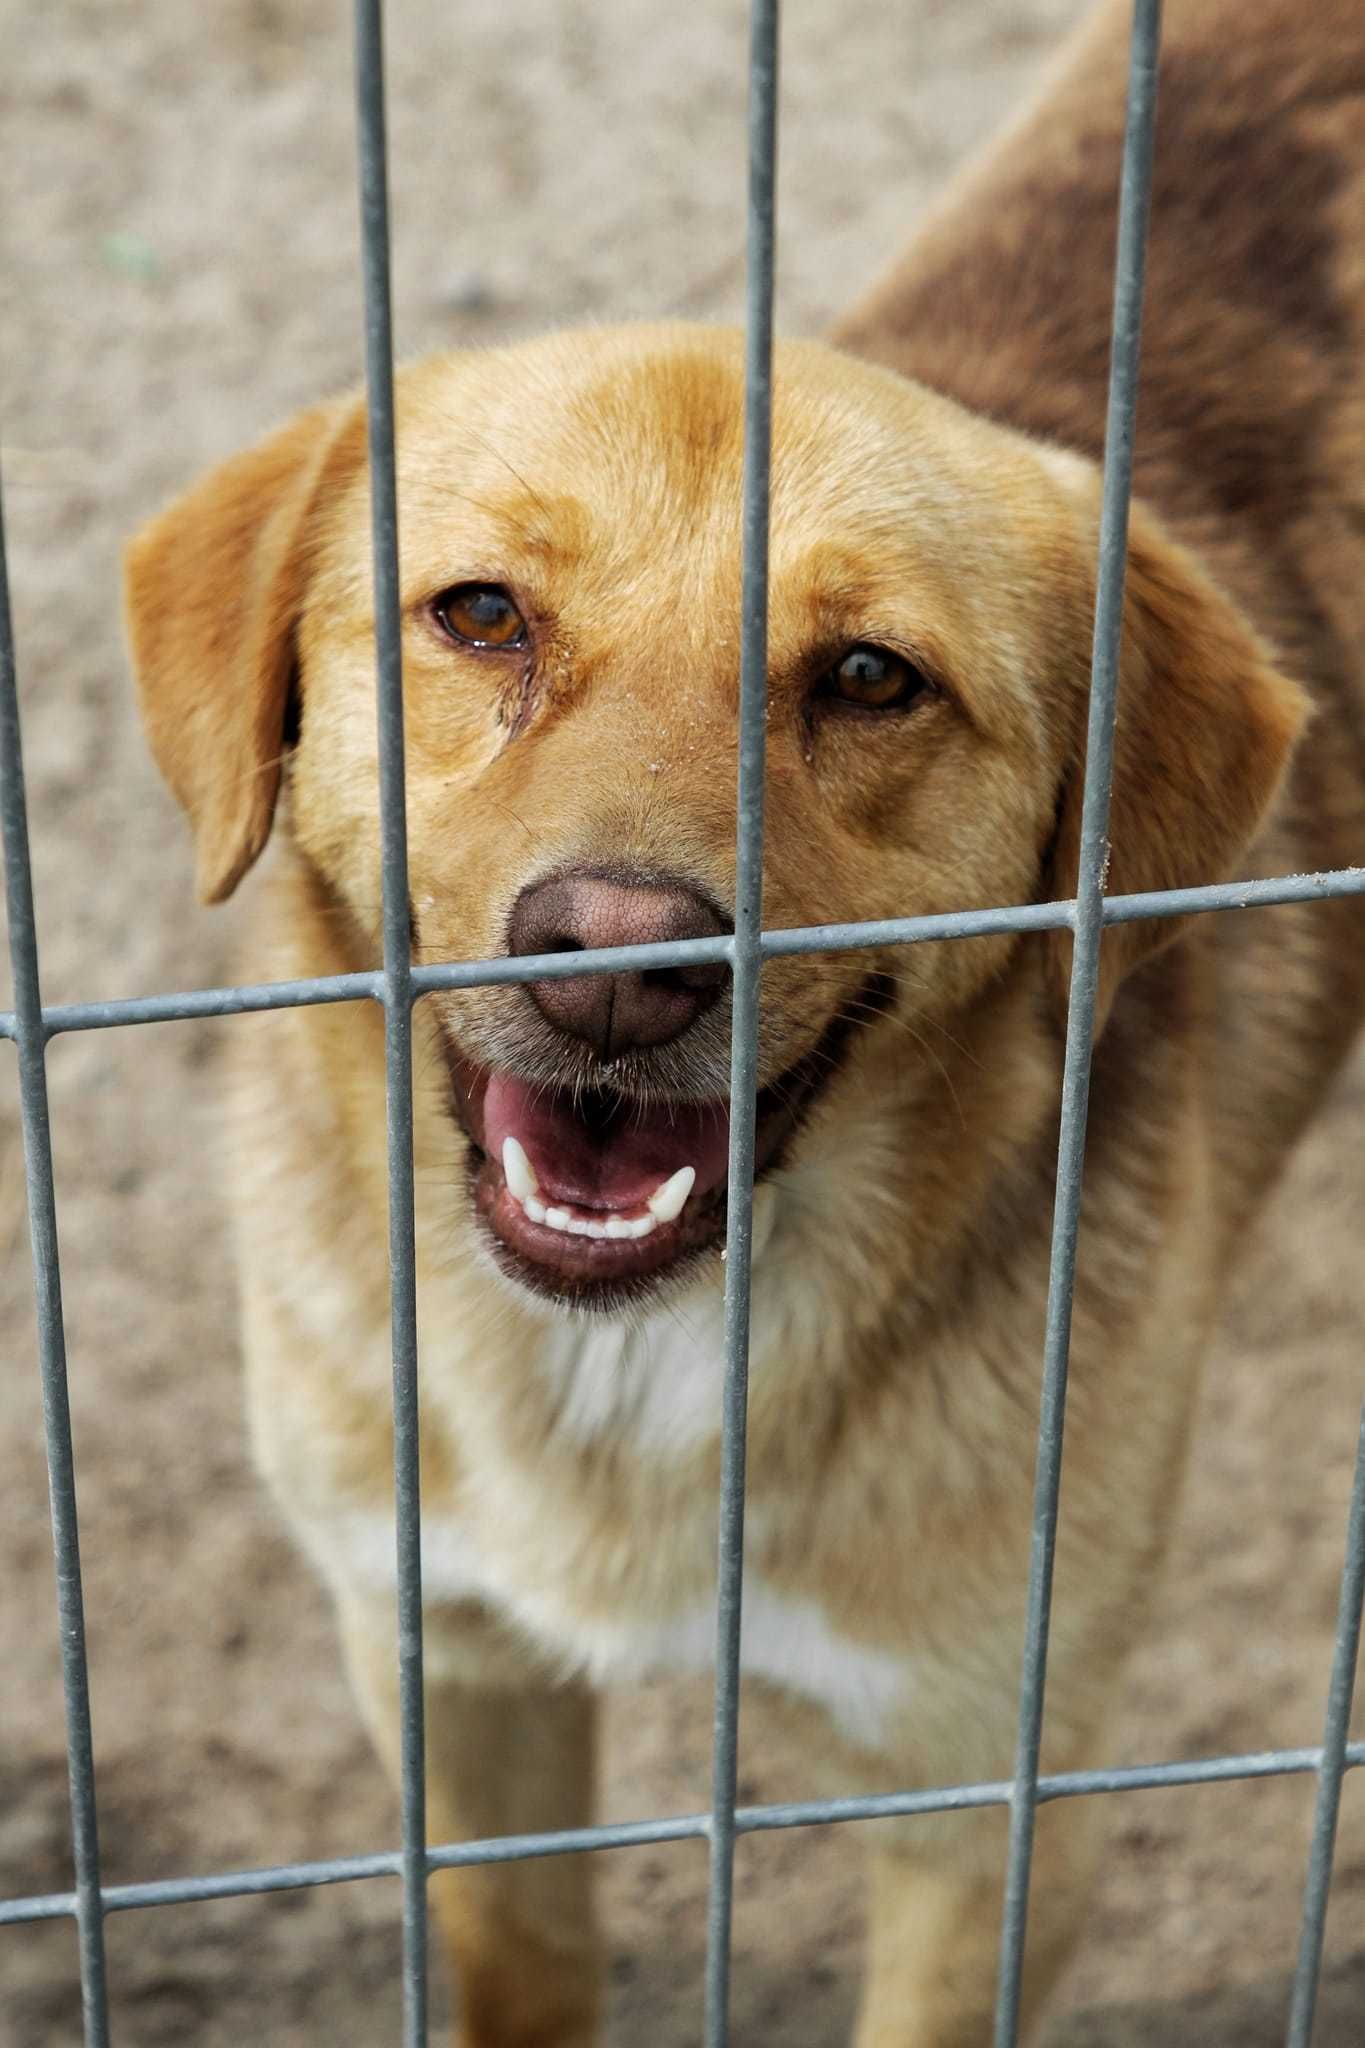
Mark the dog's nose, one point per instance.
(579, 911)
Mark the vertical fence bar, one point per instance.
(1303, 2003)
(753, 711)
(1130, 263)
(374, 220)
(31, 1037)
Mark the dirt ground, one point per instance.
(177, 270)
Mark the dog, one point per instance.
(570, 560)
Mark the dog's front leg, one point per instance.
(934, 1923)
(508, 1752)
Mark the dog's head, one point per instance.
(569, 515)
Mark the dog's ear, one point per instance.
(213, 590)
(1205, 728)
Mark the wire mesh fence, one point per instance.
(399, 984)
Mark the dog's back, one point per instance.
(1252, 364)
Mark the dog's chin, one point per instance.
(602, 1198)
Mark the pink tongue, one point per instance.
(616, 1164)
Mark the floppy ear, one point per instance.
(213, 590)
(1204, 732)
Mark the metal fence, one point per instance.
(399, 984)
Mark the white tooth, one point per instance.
(640, 1226)
(558, 1219)
(517, 1169)
(667, 1202)
(578, 1228)
(597, 1230)
(534, 1208)
(617, 1226)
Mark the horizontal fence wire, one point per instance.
(399, 983)
(1135, 190)
(1264, 892)
(686, 1827)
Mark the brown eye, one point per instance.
(480, 615)
(874, 680)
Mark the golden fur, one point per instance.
(934, 489)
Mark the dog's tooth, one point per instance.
(640, 1226)
(534, 1208)
(517, 1169)
(666, 1202)
(558, 1219)
(597, 1230)
(617, 1226)
(578, 1227)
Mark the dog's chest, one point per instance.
(787, 1640)
(642, 1605)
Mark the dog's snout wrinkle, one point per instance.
(614, 1013)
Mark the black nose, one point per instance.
(580, 911)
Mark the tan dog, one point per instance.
(570, 554)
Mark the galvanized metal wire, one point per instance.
(683, 1827)
(1263, 893)
(397, 996)
(1332, 1764)
(31, 1039)
(30, 1025)
(746, 967)
(1134, 205)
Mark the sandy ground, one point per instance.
(177, 271)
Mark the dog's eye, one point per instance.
(480, 615)
(874, 680)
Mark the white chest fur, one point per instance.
(653, 1389)
(789, 1642)
(655, 1383)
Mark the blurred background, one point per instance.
(177, 272)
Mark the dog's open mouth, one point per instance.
(592, 1196)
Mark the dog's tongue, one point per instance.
(605, 1157)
